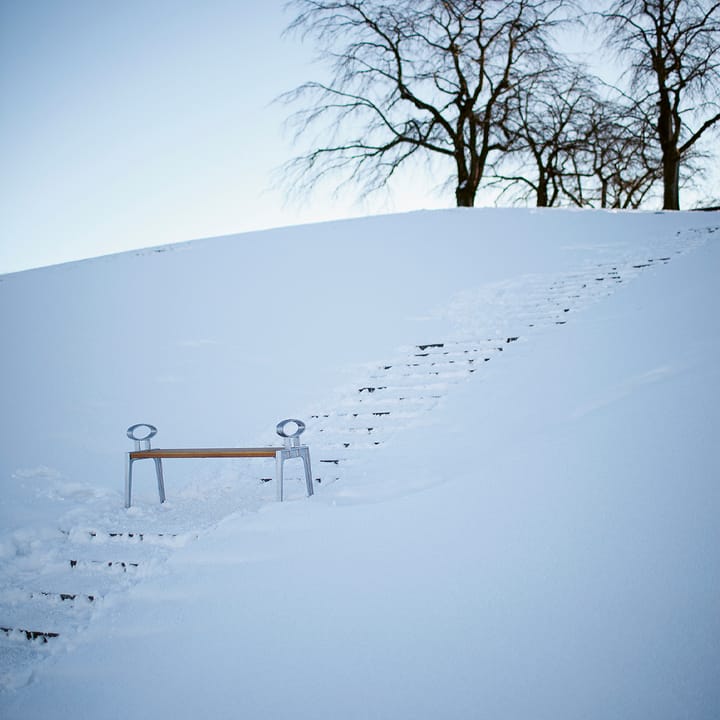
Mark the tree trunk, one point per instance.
(469, 173)
(671, 179)
(667, 125)
(542, 192)
(465, 194)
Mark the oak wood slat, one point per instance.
(205, 453)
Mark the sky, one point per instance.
(139, 123)
(148, 122)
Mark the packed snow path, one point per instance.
(53, 591)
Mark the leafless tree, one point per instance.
(416, 78)
(575, 144)
(550, 124)
(620, 154)
(673, 47)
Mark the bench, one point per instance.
(291, 448)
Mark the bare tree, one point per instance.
(621, 154)
(674, 51)
(573, 145)
(410, 78)
(550, 123)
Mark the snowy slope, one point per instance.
(511, 414)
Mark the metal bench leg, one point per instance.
(128, 479)
(160, 481)
(279, 460)
(305, 455)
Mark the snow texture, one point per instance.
(512, 419)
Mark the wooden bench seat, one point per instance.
(205, 453)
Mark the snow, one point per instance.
(534, 535)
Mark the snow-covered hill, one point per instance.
(511, 416)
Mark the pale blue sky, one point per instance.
(130, 123)
(142, 122)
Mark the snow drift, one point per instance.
(511, 418)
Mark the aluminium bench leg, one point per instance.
(305, 455)
(279, 460)
(128, 479)
(160, 480)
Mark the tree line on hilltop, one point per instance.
(482, 91)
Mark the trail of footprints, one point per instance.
(38, 607)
